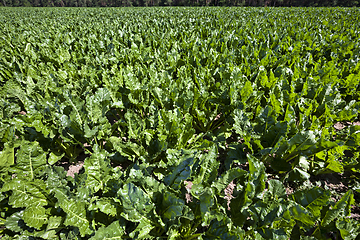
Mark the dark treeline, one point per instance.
(147, 3)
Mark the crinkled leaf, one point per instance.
(35, 216)
(128, 149)
(222, 229)
(206, 202)
(30, 160)
(75, 212)
(114, 231)
(226, 178)
(98, 170)
(142, 230)
(349, 228)
(54, 158)
(7, 156)
(98, 104)
(208, 168)
(105, 205)
(301, 214)
(313, 199)
(26, 193)
(276, 189)
(15, 222)
(256, 180)
(136, 203)
(56, 177)
(340, 209)
(181, 162)
(171, 206)
(52, 228)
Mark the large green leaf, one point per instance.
(208, 166)
(97, 168)
(115, 230)
(15, 222)
(276, 190)
(105, 205)
(30, 160)
(250, 191)
(128, 149)
(180, 167)
(313, 199)
(301, 214)
(98, 104)
(256, 180)
(142, 230)
(222, 229)
(7, 156)
(26, 193)
(75, 212)
(226, 178)
(349, 228)
(341, 209)
(35, 216)
(171, 206)
(136, 203)
(52, 228)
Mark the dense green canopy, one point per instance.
(190, 123)
(145, 3)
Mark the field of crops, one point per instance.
(187, 123)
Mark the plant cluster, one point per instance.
(191, 123)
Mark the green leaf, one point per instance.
(30, 160)
(56, 177)
(7, 156)
(171, 206)
(242, 125)
(75, 212)
(246, 91)
(15, 222)
(128, 149)
(26, 193)
(35, 216)
(98, 104)
(114, 231)
(340, 210)
(276, 189)
(297, 174)
(142, 230)
(257, 178)
(63, 55)
(226, 178)
(313, 199)
(249, 192)
(98, 170)
(181, 164)
(105, 205)
(76, 104)
(268, 233)
(222, 229)
(54, 158)
(207, 201)
(136, 203)
(208, 168)
(301, 214)
(52, 228)
(349, 228)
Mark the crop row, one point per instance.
(190, 123)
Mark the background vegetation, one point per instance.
(188, 123)
(146, 3)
